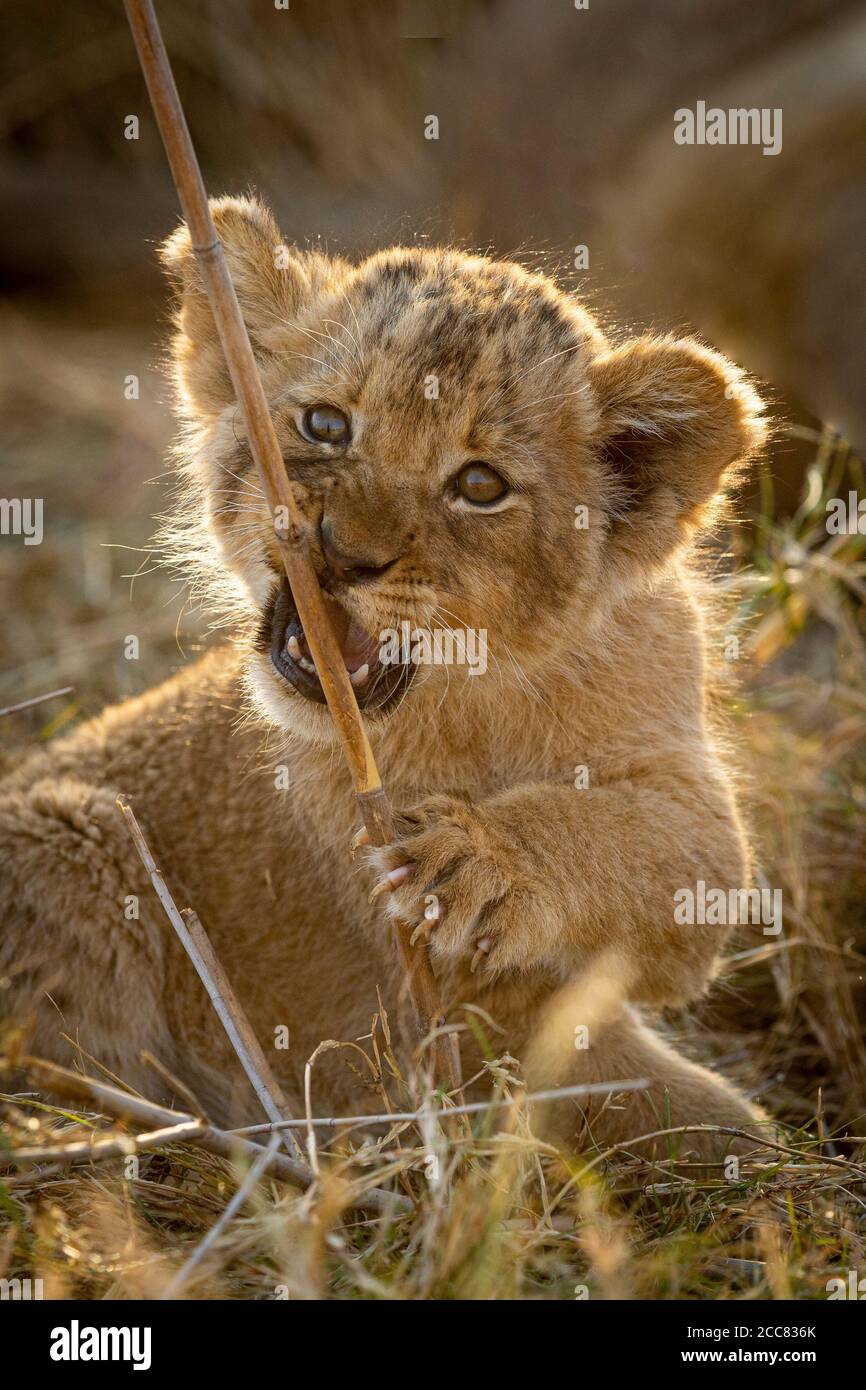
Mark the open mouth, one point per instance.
(376, 685)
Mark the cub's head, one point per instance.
(479, 470)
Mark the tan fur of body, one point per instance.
(597, 658)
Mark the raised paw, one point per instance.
(468, 888)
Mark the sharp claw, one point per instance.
(481, 951)
(423, 929)
(432, 917)
(391, 881)
(361, 837)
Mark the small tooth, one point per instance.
(307, 665)
(359, 677)
(294, 647)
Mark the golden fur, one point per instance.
(597, 659)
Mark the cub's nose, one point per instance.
(351, 567)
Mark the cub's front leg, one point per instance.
(547, 876)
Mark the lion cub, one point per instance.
(476, 463)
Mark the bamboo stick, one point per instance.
(372, 800)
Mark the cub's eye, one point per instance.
(325, 424)
(479, 483)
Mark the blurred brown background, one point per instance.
(555, 131)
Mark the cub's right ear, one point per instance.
(273, 283)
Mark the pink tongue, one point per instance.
(356, 645)
(359, 647)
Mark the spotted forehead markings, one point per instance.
(461, 312)
(493, 291)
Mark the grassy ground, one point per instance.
(506, 1217)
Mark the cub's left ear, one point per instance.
(675, 422)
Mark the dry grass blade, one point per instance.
(475, 1107)
(37, 700)
(94, 1149)
(196, 943)
(122, 1105)
(256, 1171)
(760, 1142)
